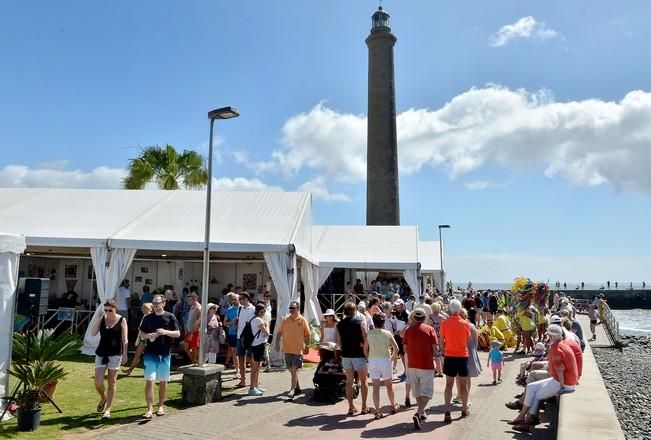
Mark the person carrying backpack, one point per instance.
(245, 314)
(254, 337)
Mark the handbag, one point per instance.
(222, 335)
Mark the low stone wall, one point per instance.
(617, 299)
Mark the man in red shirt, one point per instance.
(455, 334)
(565, 376)
(421, 344)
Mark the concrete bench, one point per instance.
(588, 412)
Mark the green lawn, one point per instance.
(78, 399)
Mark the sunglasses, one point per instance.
(292, 308)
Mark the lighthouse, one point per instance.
(382, 193)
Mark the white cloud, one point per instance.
(479, 185)
(22, 176)
(501, 268)
(242, 184)
(259, 168)
(588, 142)
(524, 28)
(319, 190)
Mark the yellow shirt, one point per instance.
(526, 324)
(294, 332)
(502, 323)
(379, 343)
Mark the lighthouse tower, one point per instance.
(382, 194)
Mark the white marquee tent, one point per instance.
(11, 246)
(115, 224)
(370, 248)
(429, 255)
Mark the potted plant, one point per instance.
(45, 346)
(32, 378)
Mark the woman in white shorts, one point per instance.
(381, 350)
(110, 353)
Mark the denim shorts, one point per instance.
(355, 364)
(294, 360)
(113, 362)
(241, 351)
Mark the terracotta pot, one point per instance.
(51, 390)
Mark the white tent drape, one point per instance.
(411, 276)
(369, 277)
(109, 278)
(323, 274)
(282, 268)
(310, 278)
(11, 246)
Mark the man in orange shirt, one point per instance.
(295, 332)
(455, 334)
(565, 376)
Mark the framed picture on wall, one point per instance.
(71, 271)
(148, 281)
(138, 280)
(250, 281)
(144, 269)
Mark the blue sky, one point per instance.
(519, 122)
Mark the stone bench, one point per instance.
(588, 412)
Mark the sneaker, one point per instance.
(267, 369)
(291, 393)
(423, 417)
(416, 419)
(298, 391)
(408, 402)
(261, 389)
(447, 418)
(402, 377)
(494, 382)
(255, 392)
(465, 413)
(456, 401)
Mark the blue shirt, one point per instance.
(495, 356)
(231, 314)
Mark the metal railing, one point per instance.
(76, 319)
(611, 326)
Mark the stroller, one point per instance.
(329, 379)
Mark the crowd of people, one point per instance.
(380, 336)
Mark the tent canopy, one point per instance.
(170, 220)
(381, 248)
(429, 255)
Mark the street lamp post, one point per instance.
(441, 255)
(220, 113)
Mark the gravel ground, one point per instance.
(628, 379)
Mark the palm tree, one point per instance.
(168, 168)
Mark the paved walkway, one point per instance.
(273, 416)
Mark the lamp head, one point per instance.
(223, 113)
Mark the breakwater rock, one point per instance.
(627, 376)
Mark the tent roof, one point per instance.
(167, 220)
(429, 256)
(367, 247)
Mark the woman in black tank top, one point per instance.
(110, 353)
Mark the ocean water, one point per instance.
(570, 285)
(635, 322)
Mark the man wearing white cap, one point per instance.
(565, 376)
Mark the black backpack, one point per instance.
(247, 336)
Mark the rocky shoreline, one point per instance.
(627, 376)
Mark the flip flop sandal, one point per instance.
(160, 413)
(352, 411)
(147, 415)
(395, 408)
(364, 411)
(101, 405)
